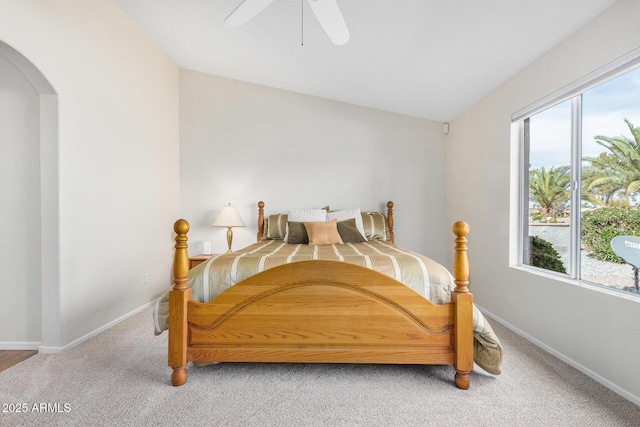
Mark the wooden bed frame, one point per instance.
(320, 312)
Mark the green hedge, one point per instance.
(544, 256)
(601, 225)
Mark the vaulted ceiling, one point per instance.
(425, 58)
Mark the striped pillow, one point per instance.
(275, 227)
(375, 226)
(308, 215)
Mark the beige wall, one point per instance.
(118, 191)
(242, 143)
(594, 330)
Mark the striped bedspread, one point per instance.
(420, 273)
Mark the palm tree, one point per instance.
(601, 180)
(619, 170)
(550, 188)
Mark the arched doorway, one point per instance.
(48, 250)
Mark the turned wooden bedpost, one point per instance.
(260, 220)
(463, 311)
(390, 220)
(461, 259)
(178, 299)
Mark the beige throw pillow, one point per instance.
(323, 233)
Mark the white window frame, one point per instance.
(519, 121)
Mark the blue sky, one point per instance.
(604, 109)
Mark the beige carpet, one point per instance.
(120, 378)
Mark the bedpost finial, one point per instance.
(261, 204)
(461, 229)
(181, 226)
(389, 204)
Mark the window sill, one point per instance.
(579, 283)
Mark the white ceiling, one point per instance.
(425, 58)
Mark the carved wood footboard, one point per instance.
(320, 312)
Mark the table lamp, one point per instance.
(228, 217)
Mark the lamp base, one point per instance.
(229, 239)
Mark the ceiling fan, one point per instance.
(327, 12)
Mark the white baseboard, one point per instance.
(19, 345)
(588, 372)
(53, 350)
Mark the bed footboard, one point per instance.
(320, 312)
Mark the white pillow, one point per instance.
(306, 215)
(348, 214)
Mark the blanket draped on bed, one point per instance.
(422, 274)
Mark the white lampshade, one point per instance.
(228, 217)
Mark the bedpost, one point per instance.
(178, 298)
(260, 220)
(461, 259)
(463, 308)
(390, 220)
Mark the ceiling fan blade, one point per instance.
(245, 11)
(331, 20)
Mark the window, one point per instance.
(580, 176)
